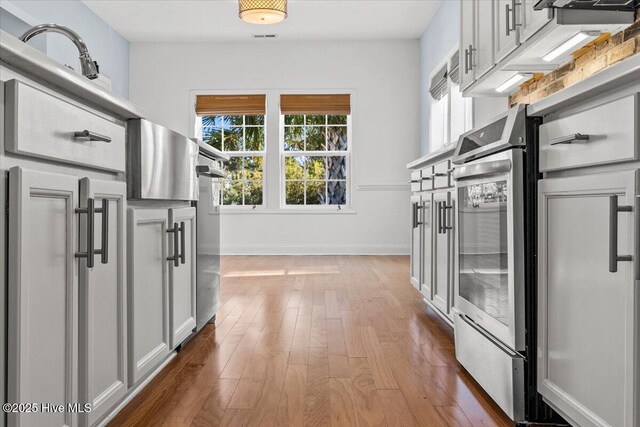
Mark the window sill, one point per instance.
(287, 211)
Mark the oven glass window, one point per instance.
(483, 259)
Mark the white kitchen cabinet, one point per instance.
(533, 20)
(43, 295)
(443, 251)
(588, 328)
(468, 23)
(508, 20)
(426, 234)
(148, 290)
(182, 277)
(102, 301)
(416, 242)
(483, 57)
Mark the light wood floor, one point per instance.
(316, 341)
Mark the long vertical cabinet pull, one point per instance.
(90, 212)
(104, 246)
(439, 207)
(637, 203)
(183, 246)
(176, 248)
(614, 210)
(445, 221)
(413, 215)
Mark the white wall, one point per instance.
(384, 77)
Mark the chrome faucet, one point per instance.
(89, 66)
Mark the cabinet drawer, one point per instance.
(416, 181)
(41, 125)
(609, 132)
(442, 175)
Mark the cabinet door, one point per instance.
(43, 286)
(534, 20)
(416, 242)
(102, 294)
(182, 278)
(426, 234)
(483, 58)
(442, 251)
(148, 291)
(587, 315)
(508, 17)
(467, 42)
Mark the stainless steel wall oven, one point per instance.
(495, 302)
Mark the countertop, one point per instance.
(432, 158)
(621, 74)
(30, 60)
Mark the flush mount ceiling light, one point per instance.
(569, 44)
(263, 11)
(512, 81)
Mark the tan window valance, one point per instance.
(230, 105)
(315, 104)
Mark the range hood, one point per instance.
(622, 5)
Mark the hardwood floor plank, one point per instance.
(212, 410)
(242, 353)
(265, 412)
(382, 374)
(291, 406)
(395, 408)
(316, 402)
(246, 394)
(343, 413)
(453, 416)
(236, 418)
(365, 397)
(300, 345)
(332, 310)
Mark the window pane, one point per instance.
(232, 193)
(337, 138)
(337, 120)
(315, 168)
(316, 192)
(293, 120)
(316, 120)
(254, 139)
(254, 120)
(315, 139)
(337, 192)
(294, 167)
(212, 121)
(213, 137)
(234, 168)
(253, 193)
(233, 139)
(337, 167)
(234, 120)
(294, 193)
(253, 168)
(294, 138)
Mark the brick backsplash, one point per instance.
(596, 56)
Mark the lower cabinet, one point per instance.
(443, 251)
(432, 248)
(588, 281)
(162, 285)
(66, 295)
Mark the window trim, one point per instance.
(283, 154)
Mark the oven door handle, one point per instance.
(205, 170)
(482, 169)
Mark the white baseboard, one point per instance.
(314, 249)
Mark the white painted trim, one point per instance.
(388, 186)
(10, 7)
(284, 249)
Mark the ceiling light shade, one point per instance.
(263, 11)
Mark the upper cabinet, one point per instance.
(504, 42)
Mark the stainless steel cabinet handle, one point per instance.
(439, 207)
(176, 248)
(445, 226)
(471, 50)
(427, 178)
(614, 210)
(637, 205)
(466, 61)
(183, 246)
(92, 136)
(414, 213)
(89, 211)
(568, 139)
(508, 16)
(441, 174)
(104, 246)
(514, 15)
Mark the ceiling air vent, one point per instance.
(265, 36)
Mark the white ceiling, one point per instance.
(217, 20)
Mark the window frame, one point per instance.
(241, 154)
(347, 154)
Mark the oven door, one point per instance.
(489, 264)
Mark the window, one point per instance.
(316, 149)
(238, 129)
(316, 152)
